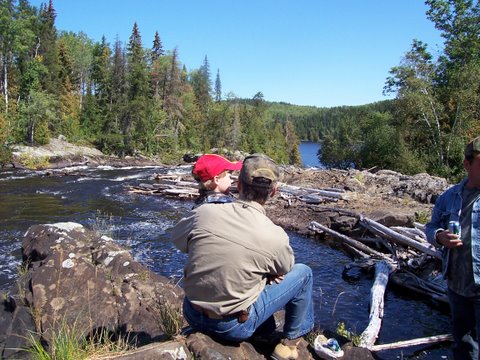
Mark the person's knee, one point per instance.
(304, 270)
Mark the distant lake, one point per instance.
(308, 153)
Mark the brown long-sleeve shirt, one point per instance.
(231, 248)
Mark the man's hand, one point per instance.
(447, 239)
(274, 279)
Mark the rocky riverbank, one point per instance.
(79, 283)
(60, 153)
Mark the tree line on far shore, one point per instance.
(128, 99)
(436, 109)
(124, 99)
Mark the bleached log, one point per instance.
(179, 183)
(180, 192)
(419, 226)
(413, 233)
(295, 190)
(352, 242)
(355, 252)
(370, 334)
(413, 342)
(399, 238)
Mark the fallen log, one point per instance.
(352, 242)
(413, 233)
(382, 230)
(370, 334)
(413, 342)
(295, 190)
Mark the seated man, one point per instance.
(240, 268)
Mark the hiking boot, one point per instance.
(286, 350)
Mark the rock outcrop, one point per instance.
(74, 276)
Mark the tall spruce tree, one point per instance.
(100, 69)
(48, 48)
(133, 125)
(218, 87)
(202, 84)
(111, 138)
(157, 48)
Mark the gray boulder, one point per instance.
(84, 280)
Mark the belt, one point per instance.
(241, 315)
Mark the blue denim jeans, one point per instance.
(293, 293)
(466, 326)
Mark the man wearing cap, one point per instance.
(240, 268)
(212, 172)
(461, 253)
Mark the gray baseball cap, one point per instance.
(473, 147)
(257, 168)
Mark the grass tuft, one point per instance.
(169, 319)
(67, 342)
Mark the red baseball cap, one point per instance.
(210, 165)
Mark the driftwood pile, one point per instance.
(399, 254)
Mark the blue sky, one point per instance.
(306, 52)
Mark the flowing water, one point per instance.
(98, 198)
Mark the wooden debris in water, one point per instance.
(410, 251)
(370, 334)
(183, 186)
(413, 342)
(352, 242)
(384, 231)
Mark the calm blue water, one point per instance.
(308, 153)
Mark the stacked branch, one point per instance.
(168, 185)
(184, 186)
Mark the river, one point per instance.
(142, 223)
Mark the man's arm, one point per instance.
(180, 233)
(436, 234)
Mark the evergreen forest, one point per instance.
(126, 99)
(129, 99)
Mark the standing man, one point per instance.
(240, 268)
(461, 253)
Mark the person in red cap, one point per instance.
(212, 171)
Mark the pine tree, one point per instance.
(118, 83)
(292, 142)
(157, 49)
(202, 85)
(218, 87)
(100, 78)
(48, 48)
(133, 124)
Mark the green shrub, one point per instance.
(34, 162)
(6, 155)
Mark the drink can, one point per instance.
(454, 227)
